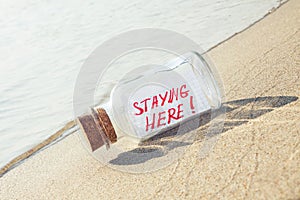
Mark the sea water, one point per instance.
(44, 43)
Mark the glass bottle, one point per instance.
(151, 100)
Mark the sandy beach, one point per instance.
(257, 156)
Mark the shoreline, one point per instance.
(257, 156)
(57, 135)
(282, 2)
(53, 139)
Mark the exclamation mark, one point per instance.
(192, 104)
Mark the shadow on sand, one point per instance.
(237, 112)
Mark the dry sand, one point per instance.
(256, 157)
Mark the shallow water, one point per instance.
(43, 45)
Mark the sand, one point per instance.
(257, 156)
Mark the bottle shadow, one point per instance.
(238, 112)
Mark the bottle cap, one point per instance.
(98, 128)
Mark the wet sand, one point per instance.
(257, 156)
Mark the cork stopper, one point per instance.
(97, 128)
